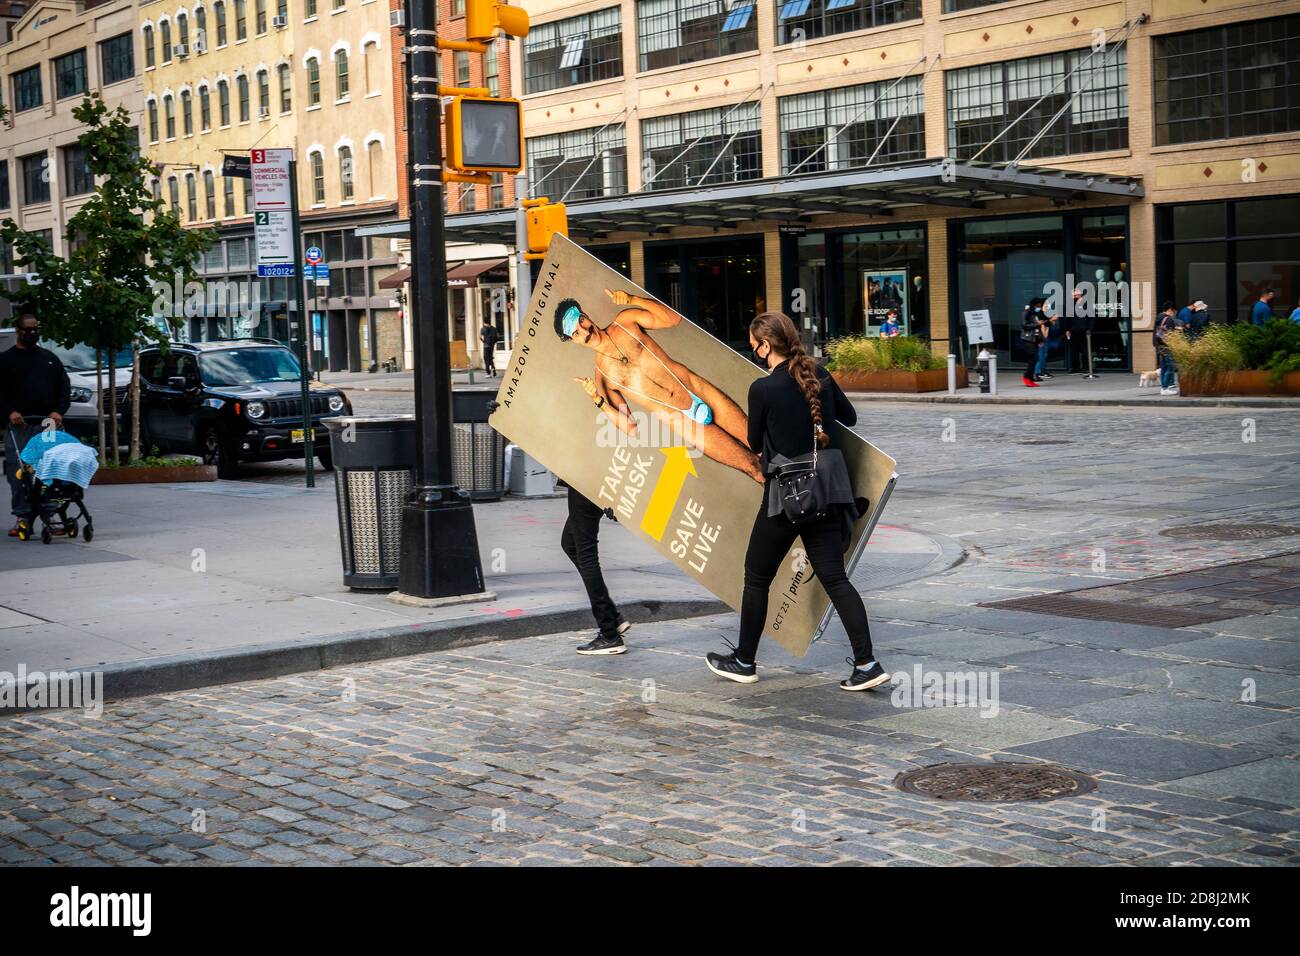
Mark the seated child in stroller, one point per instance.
(55, 470)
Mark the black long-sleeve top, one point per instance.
(780, 421)
(32, 382)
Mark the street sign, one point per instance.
(322, 274)
(271, 183)
(238, 167)
(273, 232)
(313, 255)
(275, 271)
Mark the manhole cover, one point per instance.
(994, 782)
(1129, 612)
(1045, 441)
(1231, 532)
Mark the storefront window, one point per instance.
(882, 270)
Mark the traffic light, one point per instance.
(485, 135)
(544, 219)
(484, 17)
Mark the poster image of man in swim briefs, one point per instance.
(631, 364)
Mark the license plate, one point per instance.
(295, 436)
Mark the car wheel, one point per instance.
(217, 451)
(326, 460)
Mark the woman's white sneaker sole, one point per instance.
(882, 679)
(606, 651)
(738, 678)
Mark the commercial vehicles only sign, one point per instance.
(271, 179)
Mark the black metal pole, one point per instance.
(304, 372)
(440, 557)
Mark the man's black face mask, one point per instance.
(29, 336)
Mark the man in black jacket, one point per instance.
(33, 385)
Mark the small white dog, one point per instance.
(1149, 378)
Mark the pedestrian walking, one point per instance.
(786, 410)
(1166, 325)
(580, 541)
(489, 336)
(1033, 333)
(34, 388)
(1262, 311)
(1295, 313)
(1200, 319)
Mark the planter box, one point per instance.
(147, 476)
(1240, 383)
(935, 380)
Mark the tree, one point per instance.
(124, 245)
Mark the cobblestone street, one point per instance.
(522, 752)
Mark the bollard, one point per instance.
(952, 374)
(993, 373)
(1088, 336)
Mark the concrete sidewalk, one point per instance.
(192, 584)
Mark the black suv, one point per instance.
(232, 401)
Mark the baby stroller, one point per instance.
(55, 469)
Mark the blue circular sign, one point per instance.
(314, 255)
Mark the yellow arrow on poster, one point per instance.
(664, 498)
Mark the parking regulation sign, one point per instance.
(271, 181)
(273, 232)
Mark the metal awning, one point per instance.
(868, 191)
(468, 274)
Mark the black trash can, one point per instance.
(478, 451)
(374, 462)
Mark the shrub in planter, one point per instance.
(1273, 347)
(859, 353)
(1206, 358)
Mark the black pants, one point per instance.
(579, 541)
(16, 439)
(768, 544)
(489, 361)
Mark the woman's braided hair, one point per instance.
(780, 333)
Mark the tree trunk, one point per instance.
(112, 405)
(135, 401)
(99, 405)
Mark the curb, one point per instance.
(163, 675)
(946, 399)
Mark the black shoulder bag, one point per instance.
(803, 497)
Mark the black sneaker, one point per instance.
(726, 665)
(604, 644)
(860, 679)
(1048, 375)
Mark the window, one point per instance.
(4, 187)
(174, 195)
(317, 178)
(248, 195)
(497, 191)
(675, 32)
(981, 100)
(263, 93)
(259, 14)
(77, 177)
(205, 108)
(187, 112)
(1242, 79)
(374, 159)
(241, 87)
(241, 20)
(809, 19)
(152, 109)
(117, 59)
(840, 129)
(169, 115)
(209, 195)
(27, 89)
(310, 10)
(228, 196)
(341, 74)
(146, 39)
(492, 70)
(165, 38)
(577, 50)
(182, 29)
(462, 67)
(223, 101)
(200, 25)
(469, 199)
(457, 8)
(191, 198)
(339, 4)
(373, 68)
(345, 171)
(583, 163)
(954, 6)
(219, 14)
(285, 75)
(70, 74)
(729, 147)
(313, 82)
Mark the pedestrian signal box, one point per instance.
(544, 219)
(485, 135)
(484, 17)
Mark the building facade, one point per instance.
(53, 55)
(838, 158)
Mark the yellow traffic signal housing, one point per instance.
(484, 17)
(485, 135)
(544, 220)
